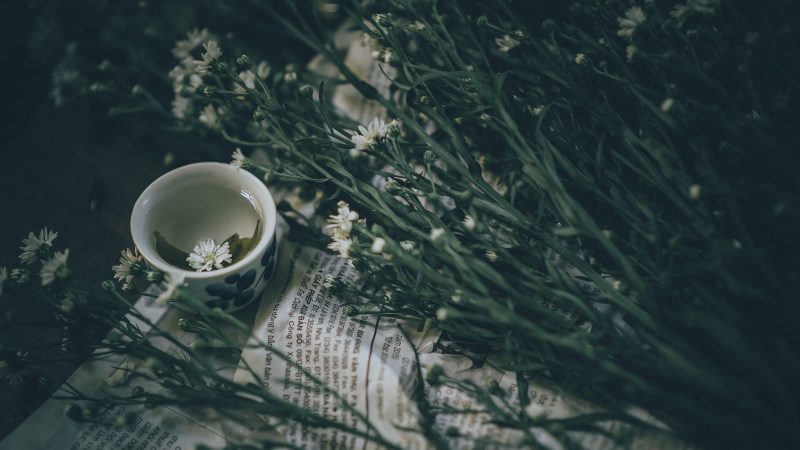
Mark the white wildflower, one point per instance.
(441, 314)
(195, 81)
(491, 255)
(3, 278)
(54, 268)
(35, 245)
(179, 106)
(694, 7)
(538, 110)
(129, 265)
(633, 18)
(248, 78)
(208, 255)
(184, 48)
(209, 116)
(456, 297)
(341, 244)
(436, 233)
(407, 245)
(369, 136)
(174, 282)
(469, 222)
(238, 158)
(377, 245)
(263, 69)
(212, 54)
(342, 223)
(508, 42)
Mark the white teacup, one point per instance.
(204, 201)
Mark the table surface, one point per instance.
(77, 172)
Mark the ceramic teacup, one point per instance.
(203, 201)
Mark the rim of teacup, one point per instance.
(249, 181)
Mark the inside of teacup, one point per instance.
(197, 209)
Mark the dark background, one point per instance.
(71, 169)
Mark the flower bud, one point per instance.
(306, 91)
(108, 286)
(243, 61)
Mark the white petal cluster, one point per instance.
(33, 244)
(238, 158)
(633, 18)
(55, 267)
(339, 226)
(694, 7)
(123, 271)
(369, 136)
(207, 255)
(212, 54)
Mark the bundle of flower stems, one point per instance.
(600, 193)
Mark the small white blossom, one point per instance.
(441, 314)
(179, 106)
(212, 54)
(341, 223)
(248, 78)
(263, 69)
(208, 255)
(369, 136)
(174, 282)
(694, 7)
(238, 158)
(407, 245)
(491, 255)
(209, 116)
(508, 42)
(378, 244)
(341, 245)
(633, 18)
(456, 297)
(54, 268)
(184, 48)
(3, 278)
(469, 222)
(436, 233)
(34, 244)
(122, 271)
(538, 110)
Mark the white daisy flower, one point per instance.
(212, 54)
(179, 106)
(263, 70)
(129, 265)
(174, 282)
(694, 7)
(436, 233)
(341, 245)
(54, 268)
(369, 136)
(238, 158)
(633, 18)
(207, 255)
(33, 245)
(248, 78)
(184, 48)
(342, 223)
(209, 116)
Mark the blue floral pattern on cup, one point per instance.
(238, 289)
